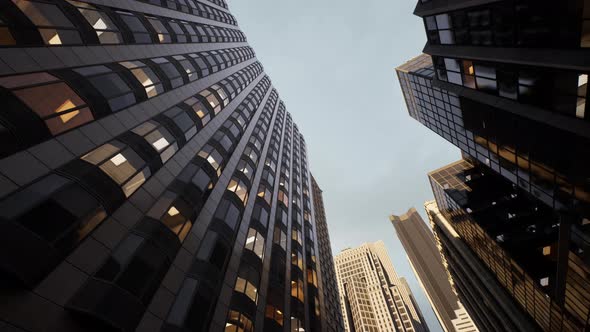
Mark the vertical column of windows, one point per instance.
(213, 254)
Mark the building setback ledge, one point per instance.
(574, 59)
(443, 6)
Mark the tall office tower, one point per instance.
(150, 177)
(485, 299)
(425, 260)
(519, 71)
(333, 317)
(510, 109)
(372, 296)
(517, 238)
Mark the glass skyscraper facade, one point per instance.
(506, 82)
(150, 176)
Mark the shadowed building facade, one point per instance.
(151, 178)
(372, 296)
(425, 260)
(333, 317)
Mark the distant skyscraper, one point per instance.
(425, 259)
(151, 178)
(331, 301)
(372, 296)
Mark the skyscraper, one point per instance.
(507, 84)
(372, 296)
(487, 302)
(333, 315)
(150, 176)
(425, 260)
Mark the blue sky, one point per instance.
(333, 62)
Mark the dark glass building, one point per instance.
(150, 176)
(506, 82)
(333, 315)
(425, 260)
(489, 305)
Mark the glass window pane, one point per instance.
(43, 14)
(122, 165)
(6, 37)
(443, 21)
(60, 37)
(446, 37)
(486, 85)
(47, 100)
(452, 64)
(109, 85)
(454, 78)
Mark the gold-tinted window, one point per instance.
(54, 101)
(121, 164)
(53, 25)
(106, 31)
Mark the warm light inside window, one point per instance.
(118, 159)
(173, 211)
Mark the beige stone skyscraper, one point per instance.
(373, 297)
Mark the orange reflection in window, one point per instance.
(58, 98)
(6, 37)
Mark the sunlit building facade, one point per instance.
(151, 178)
(373, 297)
(426, 262)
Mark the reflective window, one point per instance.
(297, 291)
(245, 168)
(145, 76)
(137, 266)
(170, 71)
(121, 164)
(6, 37)
(139, 31)
(73, 212)
(53, 101)
(238, 322)
(159, 138)
(188, 67)
(201, 111)
(265, 193)
(255, 243)
(211, 100)
(161, 31)
(283, 198)
(247, 288)
(274, 313)
(178, 217)
(212, 156)
(183, 121)
(106, 31)
(110, 85)
(229, 213)
(260, 214)
(178, 32)
(55, 28)
(280, 238)
(238, 187)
